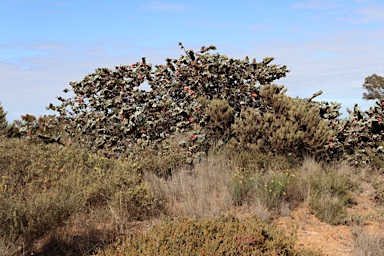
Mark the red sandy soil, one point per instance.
(335, 239)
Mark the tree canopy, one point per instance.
(374, 85)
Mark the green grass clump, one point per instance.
(209, 236)
(328, 191)
(272, 188)
(240, 183)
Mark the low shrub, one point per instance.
(41, 186)
(210, 236)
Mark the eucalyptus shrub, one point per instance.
(110, 111)
(359, 137)
(356, 138)
(198, 100)
(37, 130)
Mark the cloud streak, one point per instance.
(167, 6)
(371, 13)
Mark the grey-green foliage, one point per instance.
(359, 137)
(109, 110)
(356, 138)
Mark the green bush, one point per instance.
(222, 236)
(219, 124)
(27, 216)
(290, 127)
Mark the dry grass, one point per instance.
(215, 186)
(200, 192)
(367, 244)
(327, 190)
(69, 201)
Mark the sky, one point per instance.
(327, 45)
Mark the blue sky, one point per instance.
(328, 45)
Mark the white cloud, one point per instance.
(371, 13)
(336, 63)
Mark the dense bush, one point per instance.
(290, 127)
(111, 111)
(358, 137)
(222, 236)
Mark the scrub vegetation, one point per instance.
(202, 163)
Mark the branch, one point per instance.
(315, 95)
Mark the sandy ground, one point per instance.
(339, 239)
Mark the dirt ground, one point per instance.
(336, 239)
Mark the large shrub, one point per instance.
(358, 137)
(110, 111)
(289, 127)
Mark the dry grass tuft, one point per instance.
(328, 190)
(200, 192)
(367, 244)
